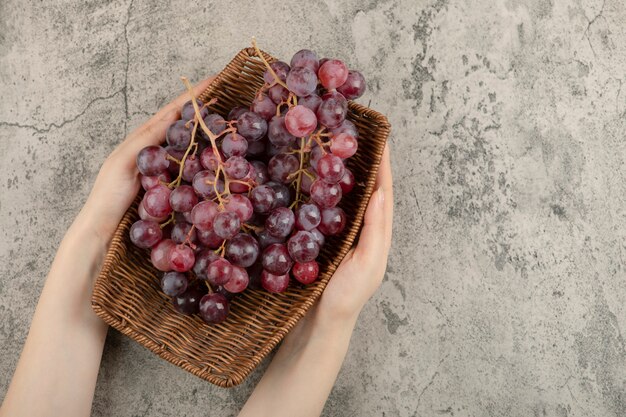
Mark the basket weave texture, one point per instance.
(127, 295)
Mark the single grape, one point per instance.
(311, 102)
(208, 238)
(189, 301)
(219, 272)
(282, 194)
(274, 283)
(266, 239)
(308, 216)
(260, 171)
(161, 178)
(277, 132)
(215, 123)
(145, 233)
(182, 258)
(242, 250)
(234, 144)
(325, 195)
(305, 58)
(236, 167)
(262, 198)
(203, 215)
(203, 184)
(280, 222)
(189, 113)
(332, 74)
(333, 109)
(152, 160)
(282, 167)
(236, 112)
(263, 106)
(302, 81)
(300, 121)
(160, 254)
(354, 87)
(278, 94)
(209, 160)
(347, 182)
(178, 135)
(143, 214)
(226, 224)
(251, 126)
(302, 247)
(156, 201)
(238, 281)
(181, 230)
(333, 221)
(203, 259)
(343, 145)
(240, 205)
(346, 127)
(183, 198)
(330, 168)
(280, 68)
(319, 237)
(191, 167)
(306, 272)
(214, 308)
(174, 283)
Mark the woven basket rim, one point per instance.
(99, 293)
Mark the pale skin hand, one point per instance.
(61, 357)
(301, 375)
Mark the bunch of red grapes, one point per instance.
(247, 200)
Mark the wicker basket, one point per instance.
(127, 294)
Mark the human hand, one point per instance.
(360, 273)
(118, 181)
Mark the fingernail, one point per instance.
(381, 196)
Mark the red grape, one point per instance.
(183, 198)
(302, 247)
(242, 250)
(188, 302)
(330, 168)
(219, 272)
(178, 135)
(300, 121)
(182, 258)
(278, 93)
(347, 182)
(311, 102)
(274, 283)
(264, 106)
(203, 214)
(240, 205)
(152, 160)
(238, 281)
(145, 233)
(302, 81)
(226, 224)
(280, 222)
(308, 217)
(189, 113)
(181, 230)
(306, 272)
(305, 58)
(276, 259)
(333, 221)
(354, 87)
(333, 109)
(282, 166)
(214, 308)
(174, 283)
(277, 132)
(161, 178)
(343, 145)
(160, 255)
(324, 194)
(203, 259)
(234, 144)
(280, 68)
(251, 126)
(157, 201)
(332, 73)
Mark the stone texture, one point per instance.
(505, 290)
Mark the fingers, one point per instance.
(376, 233)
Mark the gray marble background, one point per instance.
(505, 290)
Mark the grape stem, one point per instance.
(181, 163)
(170, 220)
(298, 180)
(269, 68)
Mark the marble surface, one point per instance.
(505, 290)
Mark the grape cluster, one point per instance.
(247, 200)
